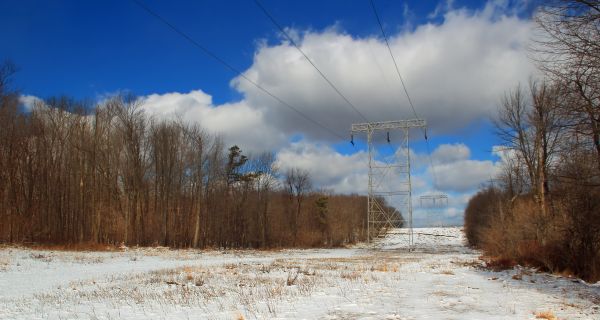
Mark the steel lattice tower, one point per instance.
(382, 218)
(433, 203)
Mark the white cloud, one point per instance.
(457, 176)
(29, 101)
(237, 123)
(464, 175)
(453, 169)
(455, 72)
(507, 155)
(460, 200)
(328, 168)
(342, 173)
(442, 7)
(447, 153)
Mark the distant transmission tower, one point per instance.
(381, 218)
(433, 203)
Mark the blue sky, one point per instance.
(457, 58)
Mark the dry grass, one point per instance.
(447, 272)
(548, 315)
(352, 276)
(517, 276)
(477, 264)
(443, 293)
(84, 246)
(292, 277)
(5, 263)
(258, 288)
(82, 258)
(385, 267)
(189, 276)
(206, 287)
(72, 257)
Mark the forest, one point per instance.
(544, 210)
(76, 172)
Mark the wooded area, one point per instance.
(545, 210)
(73, 172)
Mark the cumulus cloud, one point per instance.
(453, 70)
(328, 168)
(464, 175)
(29, 101)
(238, 123)
(458, 176)
(442, 7)
(447, 153)
(456, 69)
(453, 170)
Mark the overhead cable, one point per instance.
(211, 54)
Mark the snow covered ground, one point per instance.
(440, 279)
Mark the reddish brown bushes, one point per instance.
(565, 240)
(499, 263)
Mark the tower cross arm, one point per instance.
(388, 125)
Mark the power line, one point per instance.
(264, 10)
(394, 59)
(209, 53)
(433, 171)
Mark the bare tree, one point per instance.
(196, 162)
(529, 124)
(72, 172)
(266, 182)
(568, 50)
(9, 142)
(134, 162)
(165, 157)
(298, 185)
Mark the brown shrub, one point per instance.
(500, 263)
(564, 239)
(479, 214)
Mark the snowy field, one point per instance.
(440, 279)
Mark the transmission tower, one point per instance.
(381, 218)
(433, 203)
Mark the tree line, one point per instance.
(74, 172)
(545, 208)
